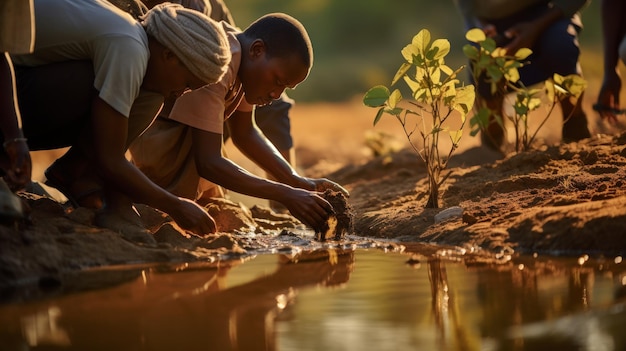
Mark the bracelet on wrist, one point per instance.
(11, 141)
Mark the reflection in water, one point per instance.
(331, 299)
(179, 308)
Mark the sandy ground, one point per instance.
(560, 199)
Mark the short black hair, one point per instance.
(283, 35)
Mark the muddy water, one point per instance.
(331, 299)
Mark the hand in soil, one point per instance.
(341, 222)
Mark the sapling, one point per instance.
(435, 94)
(500, 70)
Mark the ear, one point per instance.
(257, 48)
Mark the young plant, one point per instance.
(491, 63)
(435, 95)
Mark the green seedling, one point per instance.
(435, 94)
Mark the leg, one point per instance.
(55, 101)
(574, 120)
(10, 204)
(558, 52)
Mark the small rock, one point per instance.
(449, 213)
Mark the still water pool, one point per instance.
(331, 299)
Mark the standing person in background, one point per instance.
(95, 83)
(614, 41)
(550, 29)
(17, 34)
(179, 152)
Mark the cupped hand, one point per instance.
(308, 207)
(192, 217)
(19, 173)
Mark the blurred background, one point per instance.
(357, 43)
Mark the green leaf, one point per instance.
(376, 96)
(464, 101)
(421, 40)
(534, 103)
(523, 53)
(413, 85)
(401, 72)
(409, 53)
(494, 73)
(379, 114)
(475, 35)
(575, 84)
(435, 76)
(448, 71)
(443, 46)
(488, 45)
(430, 55)
(394, 98)
(512, 75)
(470, 51)
(498, 52)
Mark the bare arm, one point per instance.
(305, 205)
(110, 131)
(253, 144)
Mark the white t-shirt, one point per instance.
(98, 31)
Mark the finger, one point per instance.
(342, 190)
(324, 208)
(307, 219)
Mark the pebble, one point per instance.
(449, 213)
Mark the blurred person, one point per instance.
(95, 83)
(183, 152)
(550, 29)
(614, 40)
(16, 37)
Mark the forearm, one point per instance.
(248, 138)
(124, 177)
(110, 130)
(265, 155)
(229, 175)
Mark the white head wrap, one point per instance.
(198, 41)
